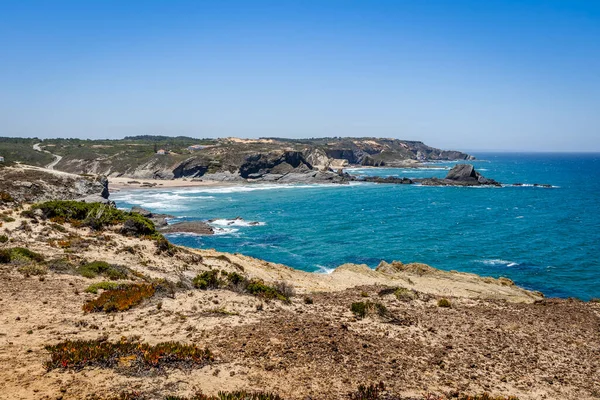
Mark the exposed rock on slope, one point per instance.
(268, 159)
(33, 184)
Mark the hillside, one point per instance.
(225, 159)
(96, 304)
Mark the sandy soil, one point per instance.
(116, 184)
(496, 337)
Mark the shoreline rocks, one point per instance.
(195, 227)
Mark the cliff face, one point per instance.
(245, 159)
(31, 184)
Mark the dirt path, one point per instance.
(57, 158)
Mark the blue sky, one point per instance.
(472, 75)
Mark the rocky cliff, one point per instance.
(269, 159)
(31, 184)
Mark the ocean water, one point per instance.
(545, 239)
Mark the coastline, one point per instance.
(121, 183)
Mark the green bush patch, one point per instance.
(78, 354)
(363, 308)
(216, 279)
(19, 254)
(96, 268)
(97, 216)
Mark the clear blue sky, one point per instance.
(485, 74)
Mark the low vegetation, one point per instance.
(121, 298)
(102, 268)
(362, 309)
(94, 287)
(19, 255)
(6, 198)
(78, 354)
(216, 279)
(404, 294)
(97, 216)
(444, 303)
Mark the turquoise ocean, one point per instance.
(545, 239)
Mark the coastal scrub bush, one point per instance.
(78, 354)
(94, 287)
(208, 280)
(362, 309)
(6, 197)
(97, 216)
(3, 238)
(215, 279)
(19, 254)
(258, 288)
(444, 303)
(110, 271)
(404, 294)
(120, 299)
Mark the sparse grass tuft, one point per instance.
(404, 294)
(78, 354)
(445, 303)
(363, 309)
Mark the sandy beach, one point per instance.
(121, 183)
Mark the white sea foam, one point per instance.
(254, 187)
(224, 231)
(235, 222)
(323, 270)
(498, 261)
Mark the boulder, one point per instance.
(196, 227)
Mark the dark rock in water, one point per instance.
(462, 172)
(158, 219)
(460, 175)
(197, 227)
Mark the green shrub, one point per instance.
(404, 294)
(19, 254)
(214, 279)
(6, 198)
(362, 309)
(3, 238)
(97, 216)
(110, 271)
(258, 288)
(78, 354)
(445, 303)
(93, 288)
(208, 280)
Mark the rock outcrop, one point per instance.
(195, 227)
(460, 175)
(32, 184)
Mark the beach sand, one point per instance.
(121, 183)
